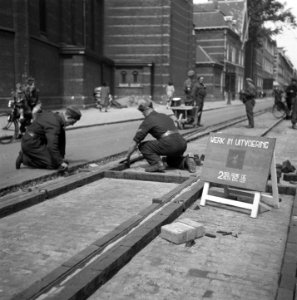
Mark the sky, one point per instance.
(288, 38)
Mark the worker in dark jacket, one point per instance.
(168, 143)
(188, 87)
(198, 95)
(44, 142)
(248, 98)
(291, 99)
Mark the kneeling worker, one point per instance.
(168, 141)
(43, 144)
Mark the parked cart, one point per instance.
(183, 113)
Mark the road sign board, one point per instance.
(238, 160)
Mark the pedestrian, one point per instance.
(198, 95)
(170, 90)
(277, 92)
(188, 86)
(31, 103)
(248, 98)
(97, 96)
(168, 142)
(31, 93)
(44, 142)
(105, 92)
(291, 92)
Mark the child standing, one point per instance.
(169, 93)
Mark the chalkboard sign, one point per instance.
(238, 160)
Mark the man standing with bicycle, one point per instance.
(291, 93)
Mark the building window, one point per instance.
(123, 77)
(233, 54)
(135, 76)
(42, 16)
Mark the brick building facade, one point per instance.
(265, 59)
(150, 42)
(221, 32)
(59, 43)
(284, 69)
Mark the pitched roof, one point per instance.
(233, 11)
(209, 19)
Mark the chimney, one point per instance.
(215, 4)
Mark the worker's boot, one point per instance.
(189, 163)
(158, 167)
(19, 160)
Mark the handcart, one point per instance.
(184, 114)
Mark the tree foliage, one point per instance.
(262, 11)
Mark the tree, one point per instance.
(262, 11)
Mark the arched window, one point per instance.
(135, 76)
(123, 77)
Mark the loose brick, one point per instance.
(198, 226)
(178, 233)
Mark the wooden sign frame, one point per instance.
(241, 165)
(272, 200)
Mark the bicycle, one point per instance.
(279, 110)
(12, 121)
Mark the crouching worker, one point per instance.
(43, 144)
(169, 143)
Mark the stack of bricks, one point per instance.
(182, 231)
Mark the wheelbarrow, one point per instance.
(184, 115)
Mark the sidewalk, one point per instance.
(94, 117)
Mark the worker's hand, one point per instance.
(37, 108)
(63, 166)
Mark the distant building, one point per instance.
(59, 43)
(265, 59)
(284, 69)
(221, 29)
(150, 42)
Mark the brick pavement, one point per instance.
(245, 267)
(222, 268)
(37, 240)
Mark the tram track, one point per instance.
(30, 192)
(189, 134)
(100, 260)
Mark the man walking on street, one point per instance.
(43, 145)
(168, 143)
(198, 95)
(248, 97)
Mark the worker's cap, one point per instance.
(191, 73)
(249, 79)
(73, 112)
(144, 105)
